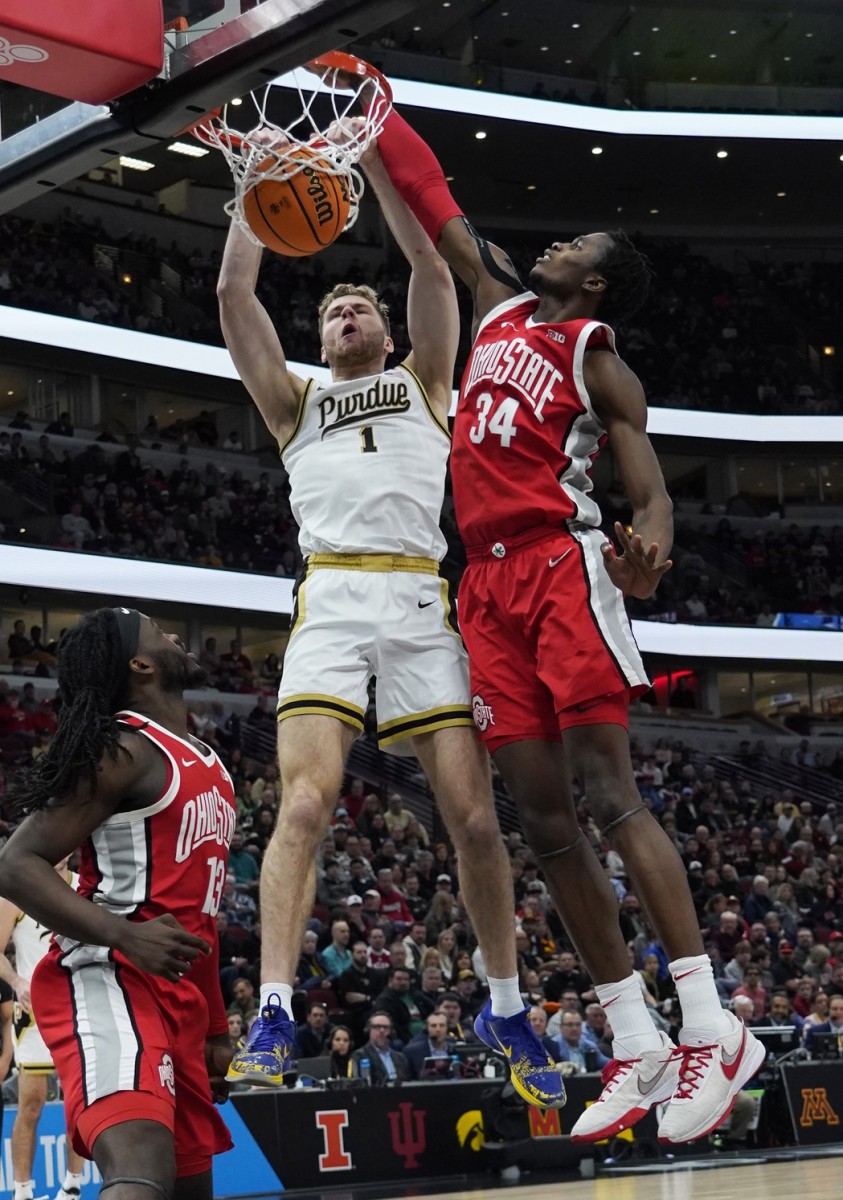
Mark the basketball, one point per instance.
(301, 215)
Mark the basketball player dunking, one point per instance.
(553, 660)
(127, 997)
(366, 456)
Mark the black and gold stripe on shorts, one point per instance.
(315, 705)
(426, 722)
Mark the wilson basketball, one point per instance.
(300, 215)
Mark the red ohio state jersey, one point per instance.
(169, 857)
(525, 434)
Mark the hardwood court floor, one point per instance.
(805, 1179)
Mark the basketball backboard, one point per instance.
(229, 47)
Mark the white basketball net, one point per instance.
(352, 126)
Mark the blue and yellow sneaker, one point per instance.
(534, 1074)
(268, 1052)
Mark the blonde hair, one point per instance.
(354, 289)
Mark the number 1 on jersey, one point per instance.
(368, 439)
(501, 423)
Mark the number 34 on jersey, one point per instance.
(497, 420)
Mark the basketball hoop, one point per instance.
(341, 87)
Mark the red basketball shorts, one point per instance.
(128, 1047)
(549, 642)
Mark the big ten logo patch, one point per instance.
(816, 1108)
(333, 1122)
(167, 1074)
(409, 1137)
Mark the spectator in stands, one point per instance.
(238, 666)
(567, 975)
(385, 1063)
(358, 985)
(311, 971)
(244, 1002)
(415, 943)
(466, 987)
(833, 1025)
(573, 1048)
(377, 955)
(340, 1050)
(61, 426)
(434, 1042)
(597, 1030)
(312, 1036)
(538, 1020)
(354, 799)
(781, 1014)
(232, 442)
(19, 644)
(243, 865)
(818, 1014)
(752, 989)
(76, 529)
(337, 956)
(392, 903)
(270, 671)
(331, 889)
(396, 813)
(405, 1006)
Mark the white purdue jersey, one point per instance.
(31, 940)
(367, 462)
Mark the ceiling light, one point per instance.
(544, 47)
(780, 194)
(446, 3)
(733, 32)
(829, 352)
(712, 56)
(449, 179)
(655, 29)
(653, 212)
(694, 78)
(417, 29)
(568, 62)
(237, 101)
(787, 58)
(135, 164)
(636, 53)
(531, 187)
(809, 35)
(575, 25)
(126, 278)
(722, 153)
(188, 149)
(596, 149)
(480, 135)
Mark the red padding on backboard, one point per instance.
(90, 50)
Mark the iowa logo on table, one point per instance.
(470, 1131)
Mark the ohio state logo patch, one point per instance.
(482, 713)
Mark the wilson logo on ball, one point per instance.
(300, 215)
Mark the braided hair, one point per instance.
(93, 678)
(628, 274)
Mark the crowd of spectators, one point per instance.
(726, 577)
(709, 338)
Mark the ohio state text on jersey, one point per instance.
(169, 857)
(526, 434)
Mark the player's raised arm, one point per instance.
(433, 318)
(251, 337)
(416, 174)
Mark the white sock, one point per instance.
(633, 1031)
(23, 1189)
(505, 995)
(703, 1016)
(72, 1181)
(285, 993)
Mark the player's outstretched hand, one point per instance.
(634, 571)
(161, 947)
(218, 1055)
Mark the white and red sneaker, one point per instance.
(710, 1078)
(630, 1089)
